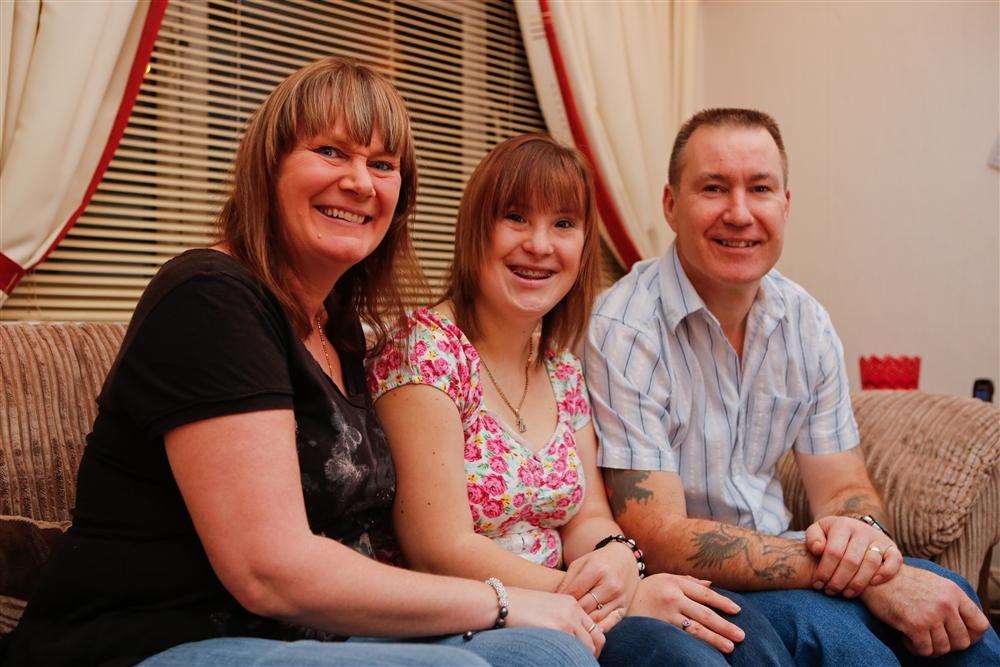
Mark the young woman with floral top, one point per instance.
(486, 413)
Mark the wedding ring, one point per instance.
(878, 550)
(686, 623)
(591, 628)
(621, 613)
(599, 605)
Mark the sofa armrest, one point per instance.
(933, 459)
(52, 372)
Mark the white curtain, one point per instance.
(629, 70)
(64, 71)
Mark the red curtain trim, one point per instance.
(10, 272)
(609, 213)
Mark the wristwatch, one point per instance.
(873, 522)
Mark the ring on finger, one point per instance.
(599, 604)
(877, 549)
(686, 623)
(621, 613)
(591, 628)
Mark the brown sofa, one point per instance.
(936, 459)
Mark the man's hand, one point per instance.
(848, 563)
(934, 614)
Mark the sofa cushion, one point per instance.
(930, 457)
(52, 373)
(25, 546)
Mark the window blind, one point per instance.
(459, 64)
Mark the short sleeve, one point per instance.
(573, 400)
(829, 426)
(629, 390)
(429, 351)
(209, 347)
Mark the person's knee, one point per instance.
(557, 648)
(749, 617)
(424, 655)
(529, 646)
(641, 640)
(761, 644)
(816, 627)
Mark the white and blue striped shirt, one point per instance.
(669, 392)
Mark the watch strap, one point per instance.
(874, 523)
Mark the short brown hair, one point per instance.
(306, 104)
(528, 172)
(719, 117)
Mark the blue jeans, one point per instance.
(513, 647)
(838, 632)
(640, 641)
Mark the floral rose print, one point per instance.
(512, 490)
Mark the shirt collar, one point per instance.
(677, 294)
(679, 297)
(770, 298)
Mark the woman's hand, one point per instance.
(556, 611)
(603, 581)
(684, 601)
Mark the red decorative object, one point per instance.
(890, 372)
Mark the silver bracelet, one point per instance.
(502, 601)
(502, 606)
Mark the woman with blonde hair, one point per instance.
(236, 483)
(486, 412)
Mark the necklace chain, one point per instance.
(322, 342)
(521, 426)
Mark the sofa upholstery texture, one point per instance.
(935, 459)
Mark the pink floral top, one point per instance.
(518, 497)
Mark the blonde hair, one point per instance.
(528, 172)
(306, 104)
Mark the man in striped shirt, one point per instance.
(705, 366)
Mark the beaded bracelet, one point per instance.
(502, 606)
(640, 559)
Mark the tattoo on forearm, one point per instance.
(769, 561)
(624, 486)
(856, 505)
(861, 504)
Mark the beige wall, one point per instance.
(889, 112)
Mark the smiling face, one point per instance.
(526, 241)
(729, 209)
(531, 262)
(335, 200)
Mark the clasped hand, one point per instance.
(853, 555)
(606, 584)
(603, 581)
(933, 613)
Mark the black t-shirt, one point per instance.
(132, 578)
